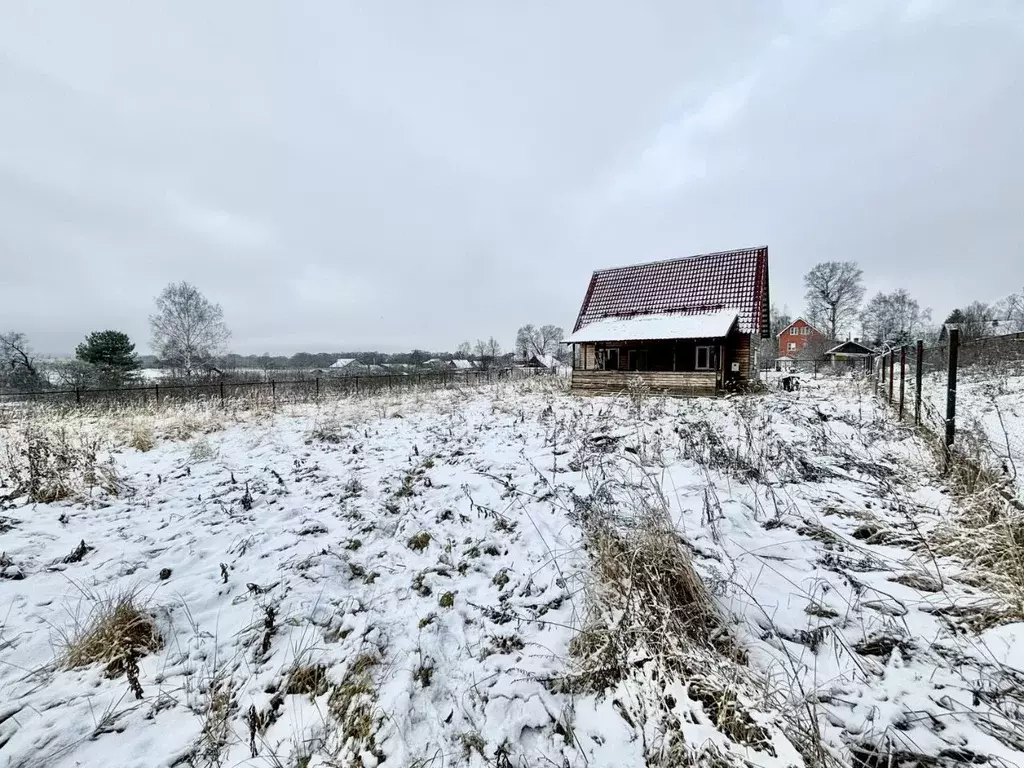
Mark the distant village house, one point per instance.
(798, 340)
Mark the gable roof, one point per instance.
(687, 286)
(710, 325)
(798, 320)
(545, 361)
(462, 365)
(850, 348)
(342, 362)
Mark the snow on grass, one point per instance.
(990, 416)
(502, 577)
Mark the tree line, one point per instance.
(834, 304)
(189, 336)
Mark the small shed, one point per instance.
(683, 326)
(850, 353)
(785, 363)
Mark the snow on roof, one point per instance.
(341, 362)
(850, 348)
(691, 285)
(462, 364)
(795, 321)
(711, 325)
(547, 361)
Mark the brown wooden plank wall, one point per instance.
(613, 382)
(742, 353)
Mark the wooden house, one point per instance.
(851, 353)
(684, 326)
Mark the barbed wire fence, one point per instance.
(965, 392)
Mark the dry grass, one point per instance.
(985, 532)
(117, 632)
(307, 680)
(50, 463)
(218, 705)
(419, 542)
(652, 618)
(200, 450)
(353, 706)
(142, 437)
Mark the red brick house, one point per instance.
(683, 326)
(795, 338)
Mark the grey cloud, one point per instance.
(344, 175)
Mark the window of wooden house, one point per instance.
(609, 359)
(705, 359)
(637, 360)
(794, 331)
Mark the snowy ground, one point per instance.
(990, 409)
(403, 582)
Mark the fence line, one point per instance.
(288, 391)
(969, 390)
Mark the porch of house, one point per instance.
(684, 367)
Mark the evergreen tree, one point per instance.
(112, 354)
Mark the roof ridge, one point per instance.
(731, 252)
(797, 319)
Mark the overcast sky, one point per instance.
(358, 175)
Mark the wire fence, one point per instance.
(965, 392)
(300, 390)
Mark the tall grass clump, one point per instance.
(48, 463)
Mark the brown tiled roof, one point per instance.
(692, 285)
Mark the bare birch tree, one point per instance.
(533, 340)
(188, 329)
(894, 318)
(834, 292)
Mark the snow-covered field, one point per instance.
(497, 577)
(990, 412)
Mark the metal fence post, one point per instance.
(78, 396)
(156, 393)
(920, 382)
(954, 348)
(892, 373)
(317, 387)
(903, 377)
(222, 391)
(273, 392)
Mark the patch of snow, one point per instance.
(711, 325)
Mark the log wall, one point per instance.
(742, 354)
(614, 382)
